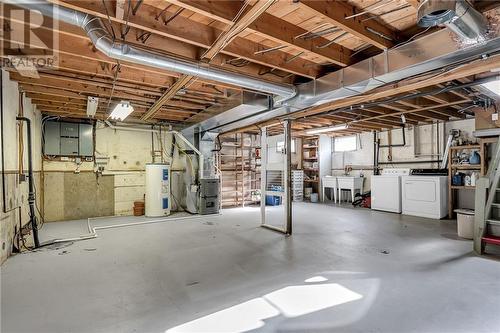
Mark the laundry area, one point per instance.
(250, 166)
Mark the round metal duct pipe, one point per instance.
(458, 15)
(104, 42)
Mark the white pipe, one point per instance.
(93, 230)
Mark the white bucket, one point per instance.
(465, 223)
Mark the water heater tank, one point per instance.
(157, 190)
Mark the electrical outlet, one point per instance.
(494, 116)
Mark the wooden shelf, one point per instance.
(481, 168)
(311, 180)
(310, 147)
(465, 147)
(466, 166)
(462, 187)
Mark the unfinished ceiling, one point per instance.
(277, 41)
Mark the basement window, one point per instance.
(345, 143)
(280, 147)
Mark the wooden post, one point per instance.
(480, 213)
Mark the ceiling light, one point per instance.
(327, 129)
(493, 86)
(121, 111)
(92, 103)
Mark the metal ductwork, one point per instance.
(103, 41)
(439, 50)
(458, 15)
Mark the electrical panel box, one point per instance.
(68, 139)
(69, 130)
(69, 146)
(86, 140)
(52, 138)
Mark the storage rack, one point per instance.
(309, 157)
(239, 163)
(297, 185)
(482, 168)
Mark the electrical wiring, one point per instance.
(109, 20)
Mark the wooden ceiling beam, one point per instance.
(43, 102)
(428, 114)
(192, 33)
(272, 27)
(446, 113)
(335, 12)
(222, 41)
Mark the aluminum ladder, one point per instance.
(487, 206)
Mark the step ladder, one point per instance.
(487, 207)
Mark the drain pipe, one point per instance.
(31, 194)
(104, 42)
(397, 144)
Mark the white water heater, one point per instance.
(157, 190)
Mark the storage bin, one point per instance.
(273, 200)
(465, 223)
(314, 197)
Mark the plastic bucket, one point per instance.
(465, 223)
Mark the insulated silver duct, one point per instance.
(103, 41)
(458, 15)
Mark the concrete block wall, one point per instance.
(17, 192)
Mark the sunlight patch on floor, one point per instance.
(292, 301)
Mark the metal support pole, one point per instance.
(288, 176)
(286, 169)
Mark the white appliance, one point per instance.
(386, 190)
(425, 196)
(157, 190)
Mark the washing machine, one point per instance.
(386, 190)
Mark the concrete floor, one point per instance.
(366, 271)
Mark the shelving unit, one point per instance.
(481, 168)
(310, 157)
(239, 162)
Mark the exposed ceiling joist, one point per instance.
(274, 28)
(222, 41)
(336, 12)
(171, 92)
(193, 33)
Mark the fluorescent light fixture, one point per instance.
(121, 111)
(92, 103)
(327, 129)
(493, 86)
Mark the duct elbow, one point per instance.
(458, 15)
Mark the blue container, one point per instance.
(273, 200)
(475, 158)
